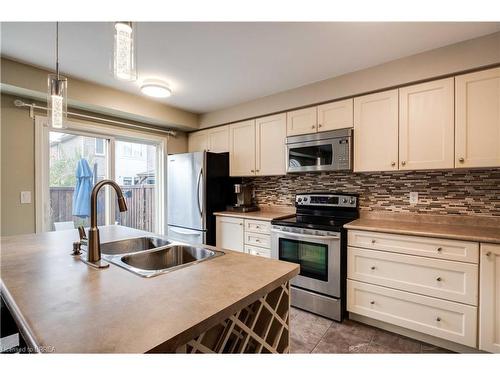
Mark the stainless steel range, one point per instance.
(316, 240)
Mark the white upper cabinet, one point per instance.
(218, 139)
(336, 115)
(270, 145)
(242, 148)
(213, 140)
(489, 298)
(376, 132)
(477, 122)
(301, 121)
(426, 125)
(198, 141)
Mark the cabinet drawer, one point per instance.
(463, 251)
(448, 320)
(455, 281)
(257, 239)
(259, 251)
(258, 226)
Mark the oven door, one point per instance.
(318, 256)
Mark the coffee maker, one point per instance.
(243, 199)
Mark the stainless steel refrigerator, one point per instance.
(198, 185)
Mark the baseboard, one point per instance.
(453, 346)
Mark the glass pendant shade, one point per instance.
(124, 65)
(57, 100)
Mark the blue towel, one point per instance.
(83, 189)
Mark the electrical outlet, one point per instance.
(413, 197)
(25, 197)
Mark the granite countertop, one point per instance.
(63, 305)
(266, 213)
(479, 229)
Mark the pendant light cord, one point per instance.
(57, 49)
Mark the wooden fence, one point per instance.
(140, 202)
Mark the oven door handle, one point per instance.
(309, 236)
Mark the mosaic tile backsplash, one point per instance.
(460, 192)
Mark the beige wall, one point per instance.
(462, 56)
(26, 80)
(18, 166)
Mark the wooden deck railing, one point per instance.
(140, 202)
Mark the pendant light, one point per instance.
(124, 65)
(57, 93)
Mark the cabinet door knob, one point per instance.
(438, 279)
(257, 170)
(372, 302)
(313, 127)
(319, 125)
(438, 319)
(393, 163)
(403, 163)
(488, 253)
(373, 241)
(372, 268)
(252, 170)
(439, 249)
(461, 160)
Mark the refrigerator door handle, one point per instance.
(188, 232)
(198, 190)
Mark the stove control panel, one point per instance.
(326, 200)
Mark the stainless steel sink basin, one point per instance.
(133, 245)
(154, 262)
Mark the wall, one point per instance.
(29, 81)
(458, 57)
(456, 192)
(18, 166)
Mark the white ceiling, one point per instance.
(215, 65)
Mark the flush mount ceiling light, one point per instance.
(156, 89)
(57, 92)
(124, 64)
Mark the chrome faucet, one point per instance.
(94, 244)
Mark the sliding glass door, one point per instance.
(76, 164)
(73, 160)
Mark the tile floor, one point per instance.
(314, 334)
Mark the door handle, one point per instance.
(310, 236)
(198, 191)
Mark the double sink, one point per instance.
(152, 256)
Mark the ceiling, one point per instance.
(210, 66)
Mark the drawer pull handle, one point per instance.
(438, 319)
(372, 302)
(372, 268)
(488, 253)
(439, 249)
(438, 279)
(373, 241)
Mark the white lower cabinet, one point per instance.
(247, 235)
(229, 233)
(448, 320)
(489, 301)
(429, 285)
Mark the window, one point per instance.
(99, 146)
(127, 181)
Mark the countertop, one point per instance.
(66, 306)
(265, 213)
(479, 229)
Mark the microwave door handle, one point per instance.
(308, 236)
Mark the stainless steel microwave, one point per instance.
(326, 151)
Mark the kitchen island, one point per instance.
(232, 303)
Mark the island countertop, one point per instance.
(64, 306)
